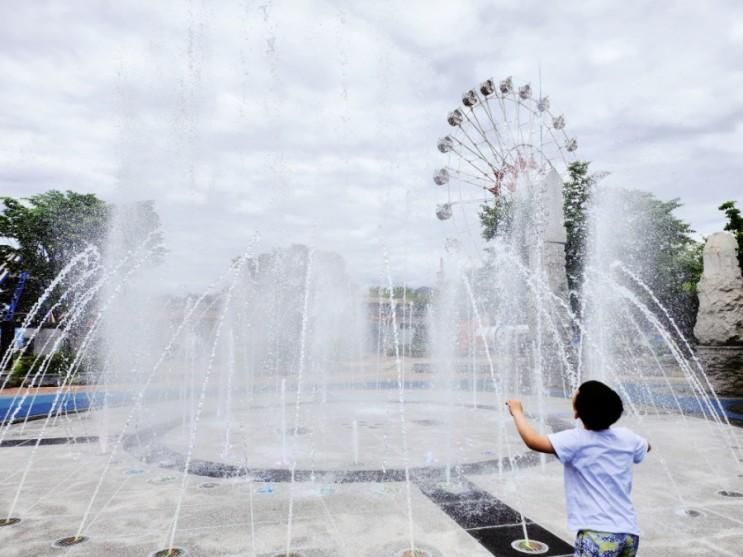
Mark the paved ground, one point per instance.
(691, 462)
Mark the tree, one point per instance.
(43, 232)
(576, 193)
(735, 226)
(653, 241)
(644, 234)
(498, 219)
(691, 263)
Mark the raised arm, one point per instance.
(533, 440)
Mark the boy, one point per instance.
(598, 471)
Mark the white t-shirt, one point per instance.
(598, 477)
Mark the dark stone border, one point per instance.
(47, 441)
(490, 521)
(146, 446)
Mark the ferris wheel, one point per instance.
(501, 137)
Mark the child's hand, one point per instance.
(515, 407)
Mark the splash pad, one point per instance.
(322, 425)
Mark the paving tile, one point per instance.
(441, 494)
(498, 540)
(482, 513)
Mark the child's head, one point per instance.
(597, 405)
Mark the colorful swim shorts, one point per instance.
(603, 544)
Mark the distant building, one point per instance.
(410, 321)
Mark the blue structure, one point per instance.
(39, 405)
(10, 311)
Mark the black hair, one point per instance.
(597, 405)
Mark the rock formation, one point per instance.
(719, 327)
(720, 316)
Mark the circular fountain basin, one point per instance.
(345, 435)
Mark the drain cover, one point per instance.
(208, 485)
(162, 480)
(530, 547)
(691, 513)
(426, 422)
(413, 553)
(172, 552)
(726, 493)
(9, 521)
(68, 541)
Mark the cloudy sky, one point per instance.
(316, 121)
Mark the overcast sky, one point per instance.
(316, 122)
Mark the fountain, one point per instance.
(278, 412)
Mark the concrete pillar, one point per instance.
(555, 236)
(547, 261)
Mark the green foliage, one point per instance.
(659, 232)
(661, 246)
(691, 264)
(25, 367)
(576, 196)
(686, 270)
(735, 226)
(648, 236)
(43, 232)
(47, 230)
(496, 219)
(20, 369)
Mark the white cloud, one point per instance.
(317, 121)
(736, 30)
